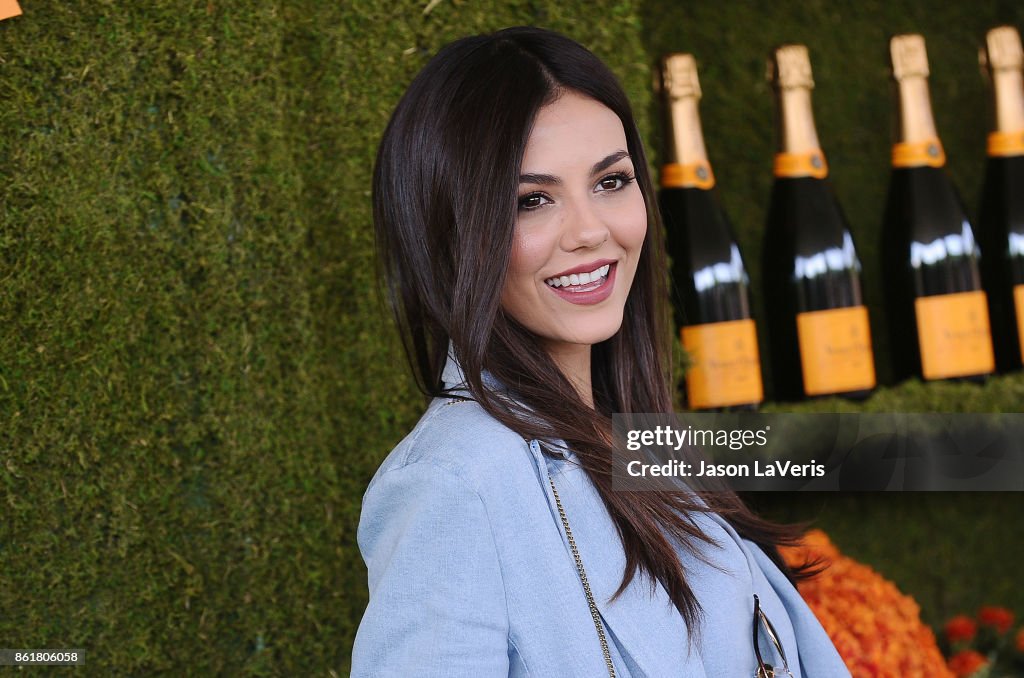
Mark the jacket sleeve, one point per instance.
(437, 601)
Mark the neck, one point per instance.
(916, 122)
(687, 140)
(1009, 100)
(798, 134)
(574, 362)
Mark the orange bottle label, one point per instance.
(954, 335)
(726, 367)
(835, 350)
(9, 8)
(801, 165)
(1005, 144)
(918, 154)
(1018, 298)
(691, 175)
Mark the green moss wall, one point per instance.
(197, 379)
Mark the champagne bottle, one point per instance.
(711, 288)
(936, 308)
(818, 326)
(1001, 224)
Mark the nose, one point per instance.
(583, 228)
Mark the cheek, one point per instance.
(530, 252)
(632, 224)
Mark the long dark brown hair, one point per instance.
(444, 196)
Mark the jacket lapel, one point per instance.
(649, 631)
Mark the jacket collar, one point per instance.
(454, 378)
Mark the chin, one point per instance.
(596, 333)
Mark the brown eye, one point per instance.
(614, 182)
(532, 201)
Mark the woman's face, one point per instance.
(580, 226)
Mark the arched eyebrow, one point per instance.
(550, 179)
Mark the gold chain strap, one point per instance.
(586, 585)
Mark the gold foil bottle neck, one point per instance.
(790, 68)
(1003, 48)
(679, 76)
(1004, 61)
(909, 57)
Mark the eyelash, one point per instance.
(625, 177)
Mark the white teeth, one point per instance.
(579, 278)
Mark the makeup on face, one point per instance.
(581, 222)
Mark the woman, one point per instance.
(521, 246)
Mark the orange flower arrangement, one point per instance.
(984, 646)
(966, 662)
(876, 629)
(998, 618)
(960, 628)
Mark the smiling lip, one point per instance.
(584, 268)
(591, 296)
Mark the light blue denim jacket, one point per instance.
(471, 574)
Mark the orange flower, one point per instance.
(965, 663)
(960, 628)
(997, 617)
(876, 629)
(1019, 640)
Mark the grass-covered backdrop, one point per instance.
(196, 378)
